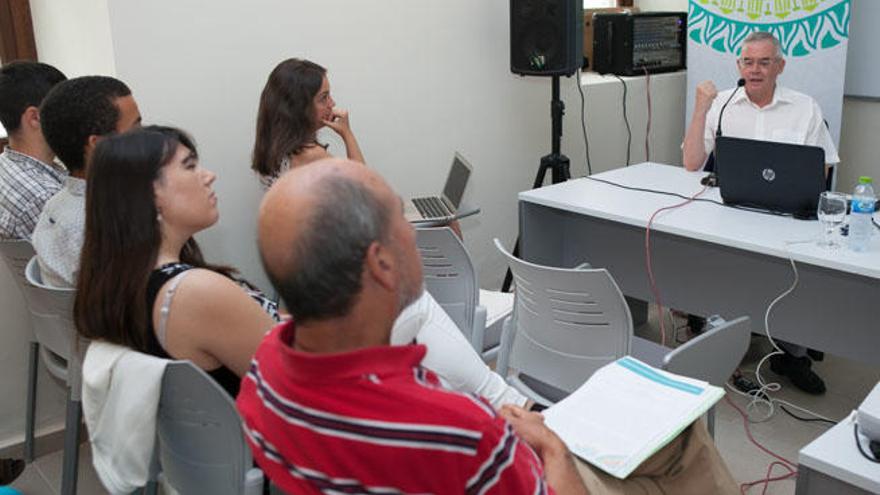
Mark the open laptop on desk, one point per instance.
(445, 206)
(779, 177)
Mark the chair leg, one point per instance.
(710, 422)
(31, 407)
(70, 461)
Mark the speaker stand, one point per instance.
(557, 163)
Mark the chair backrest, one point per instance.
(714, 355)
(51, 311)
(568, 322)
(16, 254)
(201, 444)
(449, 275)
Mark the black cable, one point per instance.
(807, 420)
(859, 445)
(703, 200)
(584, 122)
(629, 134)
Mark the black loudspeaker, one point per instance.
(546, 37)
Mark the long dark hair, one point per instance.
(285, 120)
(122, 235)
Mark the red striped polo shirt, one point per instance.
(374, 421)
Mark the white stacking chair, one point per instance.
(566, 324)
(712, 356)
(51, 311)
(201, 446)
(451, 279)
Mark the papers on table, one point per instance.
(626, 412)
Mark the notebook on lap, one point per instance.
(444, 206)
(779, 177)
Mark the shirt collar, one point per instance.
(780, 95)
(380, 360)
(75, 185)
(25, 159)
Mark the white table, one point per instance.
(708, 258)
(833, 464)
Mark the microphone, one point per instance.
(739, 84)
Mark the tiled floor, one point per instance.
(43, 476)
(848, 383)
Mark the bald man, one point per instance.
(329, 406)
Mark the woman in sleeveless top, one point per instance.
(295, 104)
(143, 282)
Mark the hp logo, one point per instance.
(768, 174)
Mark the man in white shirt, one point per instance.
(763, 111)
(76, 114)
(28, 175)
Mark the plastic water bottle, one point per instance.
(860, 227)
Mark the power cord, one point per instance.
(629, 134)
(703, 200)
(648, 125)
(654, 290)
(874, 449)
(584, 122)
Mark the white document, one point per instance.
(626, 412)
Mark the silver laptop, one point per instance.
(445, 206)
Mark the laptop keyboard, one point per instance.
(431, 207)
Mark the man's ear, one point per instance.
(781, 65)
(380, 266)
(30, 118)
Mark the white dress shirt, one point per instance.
(791, 117)
(58, 236)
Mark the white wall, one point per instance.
(73, 35)
(859, 149)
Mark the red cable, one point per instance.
(744, 488)
(650, 268)
(792, 467)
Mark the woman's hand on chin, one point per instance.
(339, 122)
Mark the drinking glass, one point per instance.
(831, 213)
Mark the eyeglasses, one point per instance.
(762, 62)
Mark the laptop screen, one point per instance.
(457, 180)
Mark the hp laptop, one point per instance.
(779, 177)
(445, 206)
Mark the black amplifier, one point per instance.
(629, 44)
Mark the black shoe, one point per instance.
(10, 469)
(697, 324)
(816, 355)
(797, 369)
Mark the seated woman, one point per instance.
(143, 282)
(147, 195)
(294, 106)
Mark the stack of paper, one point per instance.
(626, 412)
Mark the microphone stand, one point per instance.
(711, 180)
(557, 163)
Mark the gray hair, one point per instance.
(758, 36)
(324, 279)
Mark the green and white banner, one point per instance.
(814, 36)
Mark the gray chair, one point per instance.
(201, 446)
(566, 324)
(16, 254)
(712, 356)
(451, 279)
(51, 311)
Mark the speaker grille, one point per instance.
(543, 37)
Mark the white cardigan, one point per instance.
(120, 399)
